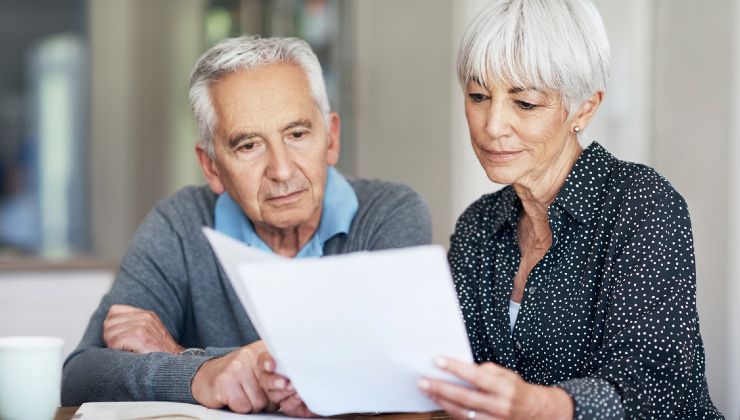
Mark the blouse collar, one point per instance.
(580, 195)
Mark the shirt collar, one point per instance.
(506, 210)
(579, 196)
(583, 188)
(338, 211)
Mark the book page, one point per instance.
(150, 410)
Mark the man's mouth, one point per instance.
(286, 198)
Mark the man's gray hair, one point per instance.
(248, 52)
(556, 45)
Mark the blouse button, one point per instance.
(532, 290)
(518, 345)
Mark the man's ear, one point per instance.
(587, 110)
(333, 137)
(210, 170)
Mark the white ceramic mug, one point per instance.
(30, 377)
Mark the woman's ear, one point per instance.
(587, 111)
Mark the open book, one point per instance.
(353, 332)
(147, 410)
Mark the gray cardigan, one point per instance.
(169, 268)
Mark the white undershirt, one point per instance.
(513, 313)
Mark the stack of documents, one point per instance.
(352, 332)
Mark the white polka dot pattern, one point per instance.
(609, 314)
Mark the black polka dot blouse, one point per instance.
(609, 314)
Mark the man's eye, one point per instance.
(248, 146)
(296, 135)
(477, 97)
(525, 105)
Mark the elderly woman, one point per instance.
(577, 280)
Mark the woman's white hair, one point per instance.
(249, 52)
(554, 45)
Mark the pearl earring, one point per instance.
(577, 129)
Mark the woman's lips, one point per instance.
(501, 156)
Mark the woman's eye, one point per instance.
(525, 105)
(477, 97)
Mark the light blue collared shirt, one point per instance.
(339, 209)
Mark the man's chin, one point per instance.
(288, 219)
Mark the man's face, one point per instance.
(272, 147)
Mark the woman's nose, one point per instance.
(498, 121)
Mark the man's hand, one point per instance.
(230, 381)
(279, 389)
(137, 330)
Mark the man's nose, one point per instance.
(280, 166)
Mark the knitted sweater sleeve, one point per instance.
(152, 277)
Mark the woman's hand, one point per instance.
(279, 389)
(498, 393)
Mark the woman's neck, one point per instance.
(539, 190)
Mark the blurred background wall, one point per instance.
(95, 127)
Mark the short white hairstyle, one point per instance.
(555, 45)
(248, 52)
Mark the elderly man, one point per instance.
(172, 328)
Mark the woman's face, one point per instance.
(519, 134)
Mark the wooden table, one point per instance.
(66, 413)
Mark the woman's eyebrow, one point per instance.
(521, 89)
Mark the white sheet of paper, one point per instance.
(353, 332)
(232, 253)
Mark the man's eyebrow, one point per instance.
(299, 123)
(240, 137)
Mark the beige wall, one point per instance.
(733, 252)
(402, 75)
(111, 128)
(624, 122)
(142, 54)
(693, 119)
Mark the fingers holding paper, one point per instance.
(231, 381)
(279, 389)
(496, 393)
(295, 407)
